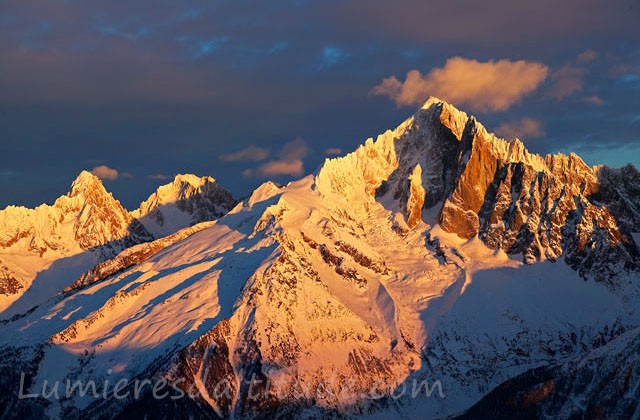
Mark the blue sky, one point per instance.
(248, 91)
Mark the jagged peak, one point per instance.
(194, 180)
(188, 199)
(84, 186)
(458, 121)
(183, 187)
(432, 100)
(182, 184)
(447, 114)
(85, 183)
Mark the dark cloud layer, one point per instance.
(153, 88)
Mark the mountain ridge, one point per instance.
(514, 200)
(385, 268)
(87, 226)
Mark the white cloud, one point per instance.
(105, 173)
(484, 86)
(159, 177)
(524, 128)
(333, 151)
(249, 154)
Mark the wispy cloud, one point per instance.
(593, 100)
(586, 56)
(209, 46)
(567, 80)
(483, 86)
(249, 154)
(333, 151)
(114, 30)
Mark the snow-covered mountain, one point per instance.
(43, 250)
(188, 200)
(408, 278)
(40, 248)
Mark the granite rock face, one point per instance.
(543, 208)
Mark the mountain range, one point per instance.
(41, 249)
(437, 271)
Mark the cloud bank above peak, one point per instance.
(482, 86)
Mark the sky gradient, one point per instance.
(249, 91)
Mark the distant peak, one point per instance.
(192, 179)
(84, 183)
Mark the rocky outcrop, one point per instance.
(619, 191)
(542, 208)
(9, 283)
(415, 201)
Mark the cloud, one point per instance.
(249, 154)
(522, 128)
(333, 151)
(159, 177)
(593, 100)
(567, 80)
(105, 173)
(290, 161)
(586, 56)
(484, 86)
(282, 167)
